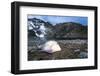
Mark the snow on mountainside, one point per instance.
(40, 28)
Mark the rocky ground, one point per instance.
(71, 49)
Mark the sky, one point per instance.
(60, 19)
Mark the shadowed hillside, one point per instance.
(70, 30)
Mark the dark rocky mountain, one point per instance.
(47, 29)
(61, 30)
(70, 30)
(36, 20)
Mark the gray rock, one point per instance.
(83, 55)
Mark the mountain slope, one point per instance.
(47, 28)
(60, 30)
(70, 30)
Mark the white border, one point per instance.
(26, 65)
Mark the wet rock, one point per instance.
(83, 55)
